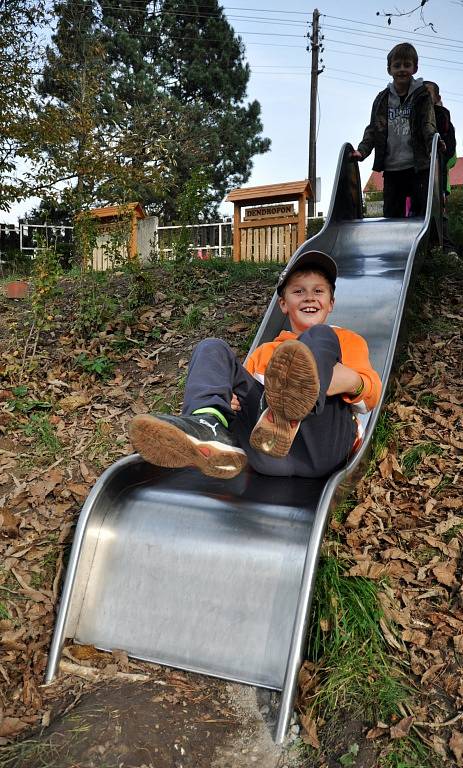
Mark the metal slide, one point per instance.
(216, 576)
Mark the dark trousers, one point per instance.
(398, 185)
(325, 438)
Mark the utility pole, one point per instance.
(314, 73)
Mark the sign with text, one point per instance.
(269, 211)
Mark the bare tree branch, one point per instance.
(398, 13)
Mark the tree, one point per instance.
(202, 65)
(67, 129)
(102, 147)
(18, 54)
(130, 112)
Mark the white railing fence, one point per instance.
(153, 241)
(205, 240)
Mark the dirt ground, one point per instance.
(174, 721)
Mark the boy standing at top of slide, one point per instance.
(401, 131)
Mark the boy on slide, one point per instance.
(289, 410)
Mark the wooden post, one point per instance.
(314, 72)
(301, 226)
(236, 232)
(133, 237)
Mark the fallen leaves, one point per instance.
(73, 402)
(402, 728)
(406, 531)
(456, 745)
(9, 523)
(40, 498)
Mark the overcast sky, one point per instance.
(356, 42)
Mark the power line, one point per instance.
(381, 58)
(356, 74)
(374, 48)
(376, 35)
(353, 82)
(194, 16)
(395, 29)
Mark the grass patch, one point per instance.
(358, 680)
(412, 458)
(4, 612)
(410, 753)
(53, 752)
(218, 276)
(251, 335)
(9, 592)
(346, 640)
(424, 555)
(158, 404)
(102, 445)
(444, 483)
(121, 343)
(434, 269)
(44, 577)
(46, 443)
(384, 435)
(193, 318)
(342, 510)
(427, 400)
(170, 400)
(452, 532)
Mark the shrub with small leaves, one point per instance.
(46, 274)
(101, 366)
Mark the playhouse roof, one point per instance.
(116, 210)
(278, 193)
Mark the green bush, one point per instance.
(16, 263)
(454, 207)
(314, 226)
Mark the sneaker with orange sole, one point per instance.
(199, 441)
(292, 387)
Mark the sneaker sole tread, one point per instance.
(292, 387)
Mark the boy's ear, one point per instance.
(415, 70)
(282, 305)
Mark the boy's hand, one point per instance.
(235, 403)
(344, 381)
(356, 155)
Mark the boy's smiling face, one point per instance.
(402, 71)
(306, 300)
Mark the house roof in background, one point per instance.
(375, 182)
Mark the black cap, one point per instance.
(315, 258)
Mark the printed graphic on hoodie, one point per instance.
(399, 119)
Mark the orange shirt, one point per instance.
(354, 354)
